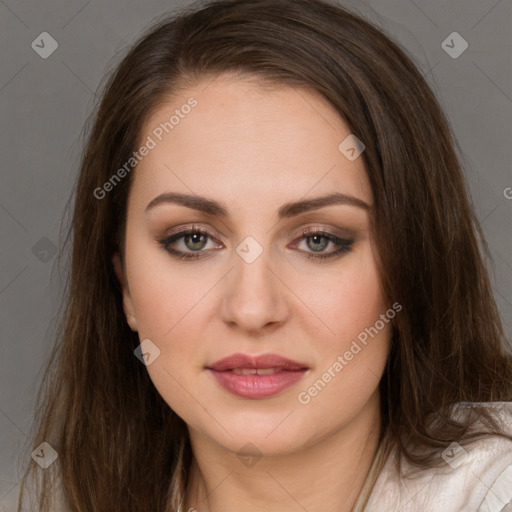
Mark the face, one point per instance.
(233, 266)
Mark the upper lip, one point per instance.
(262, 361)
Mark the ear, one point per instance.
(127, 301)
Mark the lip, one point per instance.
(256, 386)
(262, 361)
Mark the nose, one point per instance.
(254, 298)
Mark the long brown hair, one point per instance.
(120, 446)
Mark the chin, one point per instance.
(266, 434)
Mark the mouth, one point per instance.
(257, 377)
(256, 371)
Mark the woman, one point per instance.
(277, 296)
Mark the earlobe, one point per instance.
(132, 322)
(127, 301)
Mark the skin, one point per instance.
(255, 147)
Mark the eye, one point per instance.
(317, 240)
(191, 239)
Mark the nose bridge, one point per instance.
(254, 297)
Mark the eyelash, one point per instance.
(306, 233)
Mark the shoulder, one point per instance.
(474, 478)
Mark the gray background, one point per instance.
(44, 104)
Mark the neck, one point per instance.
(327, 475)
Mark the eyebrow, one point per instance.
(287, 210)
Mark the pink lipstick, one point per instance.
(257, 376)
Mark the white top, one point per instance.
(477, 478)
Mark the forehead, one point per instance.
(246, 138)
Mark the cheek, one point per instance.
(354, 341)
(168, 313)
(164, 296)
(173, 317)
(346, 300)
(170, 308)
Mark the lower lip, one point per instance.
(257, 386)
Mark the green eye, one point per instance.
(194, 240)
(318, 240)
